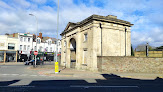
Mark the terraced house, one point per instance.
(95, 36)
(19, 47)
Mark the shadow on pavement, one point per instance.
(6, 83)
(112, 83)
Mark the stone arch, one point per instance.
(72, 46)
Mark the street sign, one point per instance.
(35, 53)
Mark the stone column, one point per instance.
(95, 36)
(68, 61)
(78, 51)
(4, 56)
(62, 53)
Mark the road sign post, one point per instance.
(28, 56)
(35, 53)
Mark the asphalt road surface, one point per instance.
(17, 78)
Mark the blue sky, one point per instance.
(146, 15)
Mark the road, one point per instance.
(18, 78)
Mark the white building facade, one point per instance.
(24, 44)
(8, 48)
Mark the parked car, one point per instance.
(31, 62)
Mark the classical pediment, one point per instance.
(70, 25)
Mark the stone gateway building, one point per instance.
(95, 36)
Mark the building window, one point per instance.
(40, 48)
(35, 48)
(21, 39)
(20, 47)
(50, 49)
(85, 37)
(55, 42)
(11, 46)
(25, 47)
(28, 47)
(25, 39)
(60, 50)
(47, 49)
(38, 41)
(58, 43)
(49, 42)
(28, 39)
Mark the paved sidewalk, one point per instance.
(83, 74)
(48, 70)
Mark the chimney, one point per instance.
(13, 34)
(40, 35)
(34, 37)
(111, 16)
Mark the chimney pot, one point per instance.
(13, 34)
(40, 35)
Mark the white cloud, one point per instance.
(4, 5)
(15, 17)
(153, 36)
(21, 3)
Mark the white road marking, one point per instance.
(23, 74)
(43, 75)
(5, 74)
(14, 74)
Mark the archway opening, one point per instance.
(73, 52)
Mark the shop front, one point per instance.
(8, 56)
(1, 56)
(49, 56)
(40, 55)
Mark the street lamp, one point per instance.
(56, 62)
(36, 34)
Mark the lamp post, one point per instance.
(36, 35)
(56, 62)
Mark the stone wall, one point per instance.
(130, 64)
